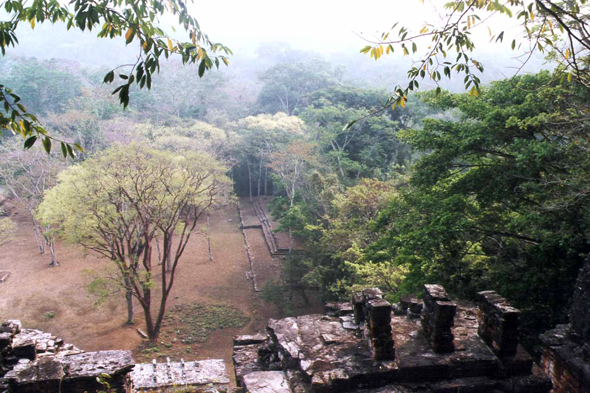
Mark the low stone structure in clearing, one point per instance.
(32, 361)
(363, 346)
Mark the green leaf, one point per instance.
(348, 125)
(30, 142)
(109, 77)
(47, 144)
(202, 68)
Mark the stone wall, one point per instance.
(498, 323)
(566, 354)
(580, 312)
(370, 308)
(438, 317)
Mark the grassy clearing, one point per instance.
(187, 325)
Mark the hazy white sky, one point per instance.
(322, 25)
(325, 26)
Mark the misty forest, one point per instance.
(162, 192)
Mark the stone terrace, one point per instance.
(346, 350)
(32, 361)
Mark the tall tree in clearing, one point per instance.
(120, 201)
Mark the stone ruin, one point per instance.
(365, 346)
(368, 346)
(566, 354)
(32, 361)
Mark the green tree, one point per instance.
(136, 20)
(259, 137)
(118, 202)
(336, 242)
(287, 86)
(501, 200)
(40, 84)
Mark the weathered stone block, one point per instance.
(415, 306)
(565, 362)
(5, 340)
(580, 311)
(444, 313)
(266, 382)
(498, 323)
(23, 347)
(337, 309)
(250, 339)
(434, 292)
(195, 375)
(357, 304)
(372, 293)
(246, 361)
(12, 326)
(438, 313)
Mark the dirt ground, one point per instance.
(35, 289)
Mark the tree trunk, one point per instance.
(209, 238)
(266, 181)
(38, 233)
(152, 332)
(51, 244)
(259, 174)
(129, 299)
(249, 178)
(168, 257)
(159, 251)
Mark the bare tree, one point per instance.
(28, 174)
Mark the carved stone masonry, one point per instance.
(498, 323)
(438, 314)
(376, 311)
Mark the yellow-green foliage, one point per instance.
(280, 121)
(7, 228)
(386, 275)
(198, 136)
(123, 184)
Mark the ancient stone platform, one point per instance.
(32, 361)
(337, 353)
